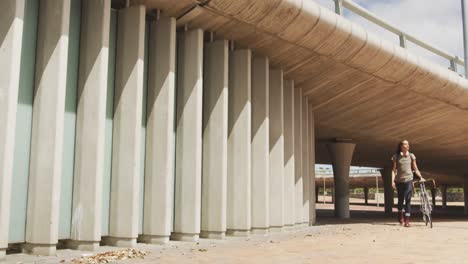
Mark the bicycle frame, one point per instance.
(426, 206)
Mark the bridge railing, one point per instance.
(403, 36)
(360, 171)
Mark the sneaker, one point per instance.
(401, 219)
(407, 221)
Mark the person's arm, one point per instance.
(416, 170)
(394, 169)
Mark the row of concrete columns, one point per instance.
(229, 146)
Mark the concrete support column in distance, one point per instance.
(239, 144)
(90, 127)
(188, 169)
(388, 189)
(289, 161)
(160, 136)
(311, 141)
(47, 128)
(126, 143)
(341, 155)
(215, 135)
(465, 195)
(276, 150)
(305, 161)
(443, 192)
(298, 177)
(11, 35)
(433, 195)
(260, 146)
(366, 195)
(317, 191)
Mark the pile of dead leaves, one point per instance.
(111, 256)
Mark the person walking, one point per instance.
(404, 163)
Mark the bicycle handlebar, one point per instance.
(426, 180)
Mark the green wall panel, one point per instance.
(69, 129)
(19, 194)
(109, 120)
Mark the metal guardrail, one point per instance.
(351, 172)
(403, 36)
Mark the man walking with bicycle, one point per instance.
(404, 163)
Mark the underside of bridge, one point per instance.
(151, 120)
(361, 87)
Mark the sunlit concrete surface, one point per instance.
(365, 238)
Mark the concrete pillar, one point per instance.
(215, 127)
(260, 146)
(388, 189)
(298, 182)
(239, 144)
(332, 193)
(47, 128)
(443, 191)
(465, 195)
(188, 167)
(305, 162)
(366, 195)
(90, 127)
(317, 191)
(11, 35)
(311, 145)
(341, 155)
(126, 144)
(433, 195)
(160, 136)
(289, 159)
(276, 150)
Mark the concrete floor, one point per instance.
(368, 237)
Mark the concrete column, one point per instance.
(260, 146)
(215, 127)
(126, 144)
(239, 144)
(289, 159)
(276, 150)
(332, 193)
(388, 189)
(298, 182)
(341, 155)
(11, 35)
(366, 195)
(90, 127)
(160, 136)
(443, 191)
(47, 128)
(317, 191)
(188, 167)
(305, 161)
(311, 141)
(433, 194)
(465, 195)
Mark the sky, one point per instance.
(437, 22)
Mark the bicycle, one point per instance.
(426, 206)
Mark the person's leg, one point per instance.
(408, 194)
(401, 197)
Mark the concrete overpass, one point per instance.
(360, 86)
(114, 133)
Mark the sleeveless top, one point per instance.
(404, 168)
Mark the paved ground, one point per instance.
(369, 237)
